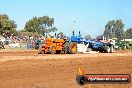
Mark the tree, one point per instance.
(7, 26)
(88, 37)
(114, 29)
(22, 34)
(40, 25)
(119, 32)
(129, 33)
(109, 29)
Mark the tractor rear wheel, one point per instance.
(53, 50)
(66, 47)
(70, 48)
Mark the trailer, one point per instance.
(88, 45)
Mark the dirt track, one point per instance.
(27, 69)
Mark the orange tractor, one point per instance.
(54, 45)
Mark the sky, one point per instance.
(86, 16)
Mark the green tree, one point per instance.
(114, 29)
(109, 29)
(40, 25)
(7, 26)
(21, 34)
(119, 30)
(129, 33)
